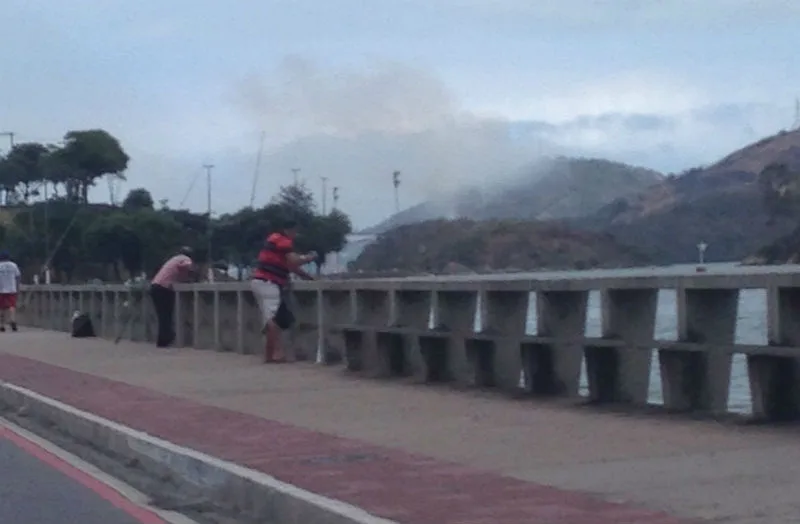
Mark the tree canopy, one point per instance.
(47, 219)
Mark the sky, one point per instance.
(448, 92)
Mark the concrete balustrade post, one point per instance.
(775, 380)
(337, 313)
(498, 360)
(81, 301)
(700, 380)
(73, 305)
(372, 314)
(179, 316)
(562, 317)
(445, 356)
(204, 319)
(240, 305)
(50, 309)
(399, 348)
(305, 333)
(622, 373)
(226, 307)
(216, 341)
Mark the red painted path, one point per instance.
(392, 484)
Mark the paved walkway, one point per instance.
(421, 454)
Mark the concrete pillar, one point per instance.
(180, 318)
(700, 380)
(775, 380)
(454, 318)
(372, 314)
(622, 374)
(225, 318)
(399, 353)
(337, 312)
(239, 326)
(305, 333)
(504, 320)
(116, 323)
(253, 324)
(216, 340)
(562, 316)
(204, 319)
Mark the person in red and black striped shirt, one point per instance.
(277, 260)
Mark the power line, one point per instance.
(189, 190)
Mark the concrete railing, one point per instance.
(424, 329)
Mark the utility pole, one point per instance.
(324, 194)
(336, 197)
(295, 171)
(396, 183)
(796, 124)
(208, 168)
(10, 135)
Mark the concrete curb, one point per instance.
(229, 485)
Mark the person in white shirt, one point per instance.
(9, 287)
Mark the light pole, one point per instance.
(324, 194)
(295, 171)
(701, 252)
(10, 135)
(208, 168)
(396, 183)
(336, 197)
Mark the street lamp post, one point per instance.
(701, 252)
(324, 194)
(208, 168)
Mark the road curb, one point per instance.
(231, 486)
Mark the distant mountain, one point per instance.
(721, 205)
(442, 245)
(555, 188)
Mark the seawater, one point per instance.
(751, 328)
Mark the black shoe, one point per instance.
(2, 329)
(13, 326)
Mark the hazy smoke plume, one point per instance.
(358, 126)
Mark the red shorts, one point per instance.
(8, 300)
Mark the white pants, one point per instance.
(268, 296)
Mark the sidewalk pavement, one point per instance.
(420, 454)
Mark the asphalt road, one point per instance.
(38, 488)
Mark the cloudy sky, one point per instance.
(446, 91)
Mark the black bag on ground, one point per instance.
(82, 326)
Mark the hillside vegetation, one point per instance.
(435, 245)
(722, 205)
(553, 188)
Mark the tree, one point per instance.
(23, 170)
(79, 241)
(139, 198)
(90, 156)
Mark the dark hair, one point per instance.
(4, 255)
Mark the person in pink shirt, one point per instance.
(179, 268)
